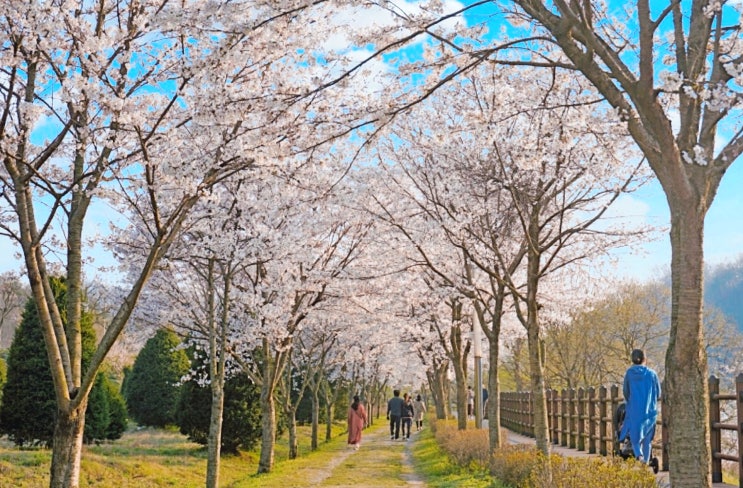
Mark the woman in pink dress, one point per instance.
(356, 422)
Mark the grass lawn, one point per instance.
(154, 458)
(143, 458)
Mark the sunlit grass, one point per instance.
(145, 458)
(155, 458)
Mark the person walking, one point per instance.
(470, 402)
(641, 394)
(420, 410)
(394, 414)
(356, 422)
(408, 412)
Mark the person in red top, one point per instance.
(356, 422)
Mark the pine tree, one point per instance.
(153, 386)
(118, 415)
(28, 411)
(3, 377)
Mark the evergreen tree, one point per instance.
(28, 412)
(98, 415)
(118, 415)
(241, 425)
(3, 377)
(152, 387)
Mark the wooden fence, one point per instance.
(583, 419)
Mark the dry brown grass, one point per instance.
(522, 466)
(465, 447)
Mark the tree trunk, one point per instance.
(534, 337)
(686, 362)
(315, 419)
(438, 385)
(493, 403)
(67, 447)
(268, 424)
(217, 357)
(539, 398)
(461, 378)
(215, 433)
(291, 420)
(330, 412)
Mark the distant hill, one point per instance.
(724, 289)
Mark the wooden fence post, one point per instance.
(592, 420)
(581, 419)
(614, 404)
(563, 418)
(715, 436)
(572, 424)
(547, 395)
(531, 414)
(739, 412)
(664, 417)
(602, 421)
(555, 418)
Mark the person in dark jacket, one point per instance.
(394, 414)
(408, 412)
(641, 394)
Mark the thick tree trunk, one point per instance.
(330, 412)
(461, 378)
(67, 447)
(539, 398)
(215, 434)
(493, 403)
(268, 435)
(291, 420)
(686, 389)
(438, 384)
(534, 340)
(315, 419)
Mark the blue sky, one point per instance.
(723, 239)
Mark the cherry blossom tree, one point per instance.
(193, 290)
(671, 72)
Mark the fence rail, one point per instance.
(583, 419)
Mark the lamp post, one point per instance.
(478, 372)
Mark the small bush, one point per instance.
(465, 447)
(516, 464)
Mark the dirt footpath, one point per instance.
(379, 463)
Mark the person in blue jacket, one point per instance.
(641, 395)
